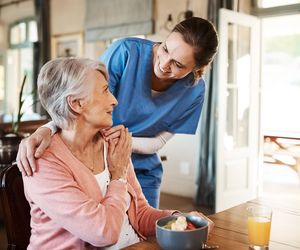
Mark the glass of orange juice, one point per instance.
(259, 226)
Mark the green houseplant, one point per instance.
(10, 140)
(16, 123)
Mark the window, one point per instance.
(280, 73)
(23, 33)
(18, 34)
(22, 36)
(1, 81)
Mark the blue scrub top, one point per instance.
(177, 110)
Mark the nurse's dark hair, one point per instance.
(202, 36)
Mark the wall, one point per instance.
(180, 168)
(176, 9)
(67, 16)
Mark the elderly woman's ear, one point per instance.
(75, 105)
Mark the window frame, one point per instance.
(27, 42)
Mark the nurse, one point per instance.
(160, 91)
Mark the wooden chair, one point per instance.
(16, 210)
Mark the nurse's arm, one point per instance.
(150, 145)
(33, 147)
(140, 145)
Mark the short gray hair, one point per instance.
(63, 77)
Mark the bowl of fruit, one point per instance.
(181, 232)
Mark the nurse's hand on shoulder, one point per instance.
(119, 154)
(31, 148)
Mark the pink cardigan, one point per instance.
(68, 210)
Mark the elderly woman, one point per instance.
(85, 194)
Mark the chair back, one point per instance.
(16, 210)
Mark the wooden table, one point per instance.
(230, 231)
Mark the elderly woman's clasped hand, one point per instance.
(119, 154)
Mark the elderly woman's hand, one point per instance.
(119, 154)
(210, 222)
(113, 133)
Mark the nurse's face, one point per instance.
(174, 58)
(98, 108)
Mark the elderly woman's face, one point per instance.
(100, 104)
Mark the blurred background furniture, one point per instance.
(15, 208)
(9, 142)
(283, 150)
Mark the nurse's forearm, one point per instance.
(150, 145)
(51, 125)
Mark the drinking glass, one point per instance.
(259, 226)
